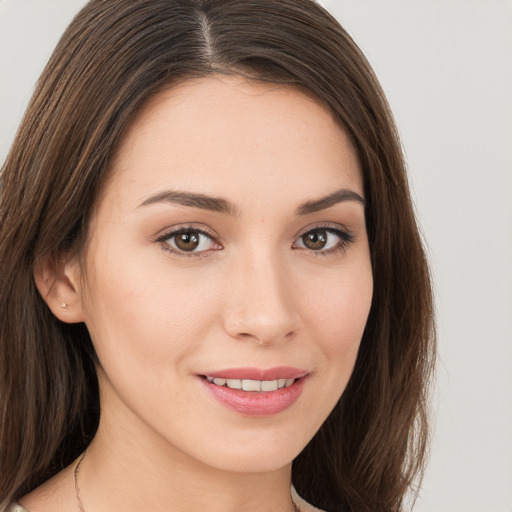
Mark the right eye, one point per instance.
(188, 241)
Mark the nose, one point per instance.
(260, 301)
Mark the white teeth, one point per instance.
(269, 385)
(234, 383)
(252, 385)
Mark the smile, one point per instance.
(251, 385)
(254, 391)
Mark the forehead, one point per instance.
(209, 134)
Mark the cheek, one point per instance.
(337, 316)
(337, 309)
(145, 314)
(334, 316)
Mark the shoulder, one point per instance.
(303, 505)
(57, 494)
(15, 507)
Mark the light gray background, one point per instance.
(446, 66)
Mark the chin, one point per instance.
(262, 462)
(264, 453)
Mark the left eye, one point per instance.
(190, 240)
(323, 240)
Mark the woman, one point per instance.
(214, 294)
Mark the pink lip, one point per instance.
(279, 372)
(264, 403)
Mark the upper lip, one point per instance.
(278, 372)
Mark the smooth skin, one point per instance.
(257, 284)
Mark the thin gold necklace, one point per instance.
(77, 488)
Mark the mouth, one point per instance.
(255, 392)
(250, 384)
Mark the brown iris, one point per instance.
(187, 240)
(315, 240)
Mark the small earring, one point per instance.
(64, 305)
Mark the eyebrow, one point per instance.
(339, 196)
(214, 204)
(220, 205)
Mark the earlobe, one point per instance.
(58, 280)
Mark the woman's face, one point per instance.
(228, 243)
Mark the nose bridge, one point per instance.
(261, 304)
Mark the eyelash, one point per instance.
(164, 241)
(344, 236)
(345, 239)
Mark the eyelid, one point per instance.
(346, 237)
(332, 226)
(164, 236)
(171, 230)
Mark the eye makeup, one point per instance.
(318, 238)
(183, 241)
(192, 242)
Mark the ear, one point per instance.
(58, 280)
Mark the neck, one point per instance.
(150, 474)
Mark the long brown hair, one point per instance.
(116, 54)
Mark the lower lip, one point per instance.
(254, 403)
